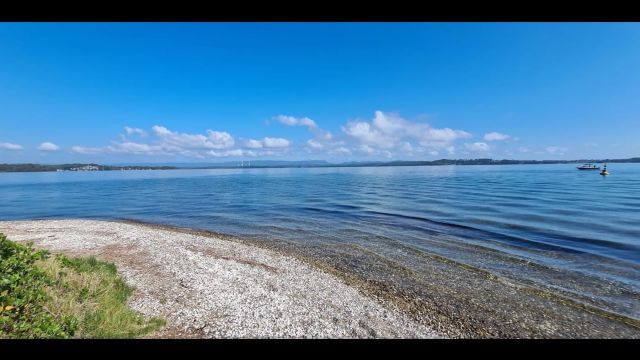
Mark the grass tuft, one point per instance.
(43, 296)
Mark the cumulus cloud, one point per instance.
(368, 134)
(275, 142)
(407, 147)
(321, 145)
(253, 144)
(212, 139)
(387, 131)
(10, 146)
(48, 146)
(364, 148)
(166, 142)
(314, 144)
(555, 150)
(130, 147)
(267, 142)
(293, 121)
(86, 150)
(496, 136)
(450, 149)
(386, 134)
(131, 131)
(319, 134)
(232, 153)
(340, 151)
(478, 147)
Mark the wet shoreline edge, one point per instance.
(384, 294)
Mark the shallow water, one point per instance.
(574, 232)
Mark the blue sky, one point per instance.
(180, 92)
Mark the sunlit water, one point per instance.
(582, 229)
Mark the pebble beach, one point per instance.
(207, 287)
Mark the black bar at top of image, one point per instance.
(318, 12)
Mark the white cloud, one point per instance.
(320, 134)
(10, 146)
(213, 139)
(161, 130)
(171, 143)
(86, 150)
(314, 144)
(293, 121)
(368, 134)
(323, 145)
(220, 139)
(441, 137)
(287, 120)
(267, 142)
(555, 150)
(325, 135)
(387, 131)
(385, 135)
(275, 142)
(233, 153)
(478, 147)
(253, 144)
(47, 146)
(366, 149)
(340, 151)
(135, 148)
(131, 131)
(496, 136)
(307, 122)
(407, 147)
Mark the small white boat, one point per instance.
(588, 166)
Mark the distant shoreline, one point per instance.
(29, 167)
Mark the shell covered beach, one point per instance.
(207, 287)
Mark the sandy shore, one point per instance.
(213, 288)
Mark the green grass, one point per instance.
(44, 296)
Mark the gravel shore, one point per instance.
(207, 287)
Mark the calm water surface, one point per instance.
(580, 229)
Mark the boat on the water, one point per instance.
(604, 171)
(588, 166)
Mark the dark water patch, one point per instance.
(539, 240)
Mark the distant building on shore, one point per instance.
(85, 168)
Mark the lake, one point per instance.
(572, 232)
